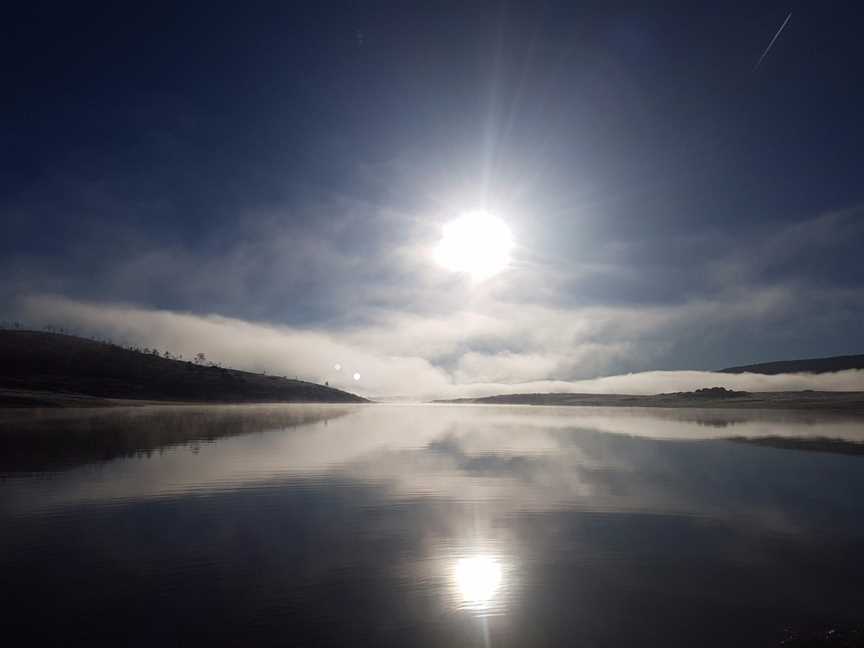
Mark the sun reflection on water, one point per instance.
(478, 581)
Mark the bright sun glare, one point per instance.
(477, 244)
(477, 580)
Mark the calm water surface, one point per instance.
(380, 525)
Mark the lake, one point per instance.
(404, 525)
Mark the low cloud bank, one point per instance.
(658, 382)
(335, 357)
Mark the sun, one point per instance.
(477, 244)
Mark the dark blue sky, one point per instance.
(273, 162)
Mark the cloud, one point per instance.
(295, 291)
(389, 366)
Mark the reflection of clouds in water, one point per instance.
(510, 458)
(476, 520)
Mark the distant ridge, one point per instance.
(814, 365)
(41, 368)
(710, 397)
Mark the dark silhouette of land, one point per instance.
(813, 366)
(44, 369)
(705, 398)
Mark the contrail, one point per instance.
(771, 44)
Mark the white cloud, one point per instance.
(357, 281)
(401, 355)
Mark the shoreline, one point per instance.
(24, 399)
(845, 402)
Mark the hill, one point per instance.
(813, 365)
(39, 368)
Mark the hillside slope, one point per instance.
(813, 365)
(35, 362)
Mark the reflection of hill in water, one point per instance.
(724, 418)
(715, 424)
(816, 444)
(44, 440)
(49, 440)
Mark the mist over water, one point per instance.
(429, 525)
